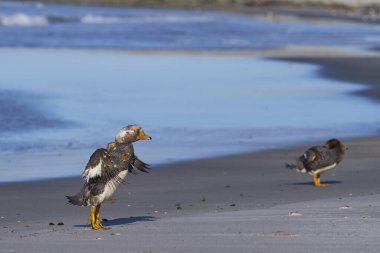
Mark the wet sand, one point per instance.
(363, 70)
(243, 203)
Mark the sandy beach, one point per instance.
(248, 203)
(244, 203)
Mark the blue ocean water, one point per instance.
(55, 98)
(41, 25)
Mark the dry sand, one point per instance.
(242, 203)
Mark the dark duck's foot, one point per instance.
(317, 181)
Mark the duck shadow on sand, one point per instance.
(312, 184)
(130, 220)
(124, 221)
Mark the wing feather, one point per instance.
(100, 169)
(138, 164)
(317, 157)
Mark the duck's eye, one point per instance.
(130, 132)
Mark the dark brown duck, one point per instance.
(319, 159)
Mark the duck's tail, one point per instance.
(74, 200)
(298, 166)
(80, 199)
(290, 166)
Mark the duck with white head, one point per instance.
(107, 169)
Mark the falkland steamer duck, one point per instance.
(319, 159)
(107, 169)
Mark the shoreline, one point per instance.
(79, 156)
(357, 70)
(223, 167)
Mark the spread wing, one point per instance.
(100, 169)
(138, 164)
(317, 157)
(135, 162)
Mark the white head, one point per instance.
(131, 134)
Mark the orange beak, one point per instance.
(143, 136)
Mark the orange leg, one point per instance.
(317, 181)
(95, 219)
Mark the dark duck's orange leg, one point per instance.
(317, 181)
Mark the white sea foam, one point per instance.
(95, 19)
(172, 19)
(92, 19)
(22, 19)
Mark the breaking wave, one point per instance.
(22, 19)
(93, 19)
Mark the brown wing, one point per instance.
(135, 162)
(138, 164)
(318, 157)
(100, 169)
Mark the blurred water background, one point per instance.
(73, 26)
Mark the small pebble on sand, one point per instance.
(277, 234)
